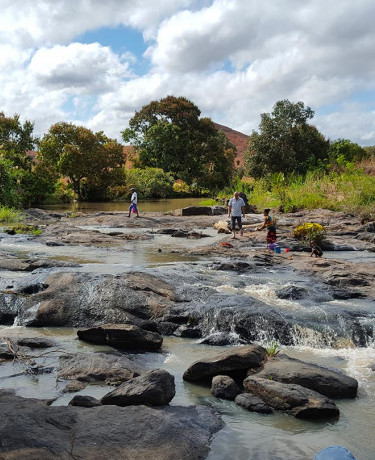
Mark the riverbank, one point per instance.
(169, 273)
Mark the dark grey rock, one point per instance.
(167, 327)
(253, 403)
(35, 342)
(74, 386)
(292, 292)
(222, 339)
(154, 388)
(187, 331)
(224, 387)
(291, 398)
(329, 382)
(97, 367)
(123, 336)
(84, 401)
(29, 429)
(219, 210)
(197, 211)
(5, 351)
(234, 362)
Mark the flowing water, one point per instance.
(246, 435)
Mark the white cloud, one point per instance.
(233, 58)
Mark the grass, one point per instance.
(210, 202)
(351, 192)
(25, 229)
(9, 215)
(272, 348)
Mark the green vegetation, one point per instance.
(169, 134)
(310, 231)
(9, 215)
(25, 229)
(285, 143)
(272, 349)
(210, 202)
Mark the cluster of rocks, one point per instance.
(245, 375)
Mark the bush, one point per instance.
(9, 215)
(210, 202)
(150, 182)
(310, 231)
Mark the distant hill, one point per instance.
(239, 140)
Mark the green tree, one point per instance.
(345, 150)
(81, 155)
(169, 134)
(285, 142)
(16, 139)
(151, 182)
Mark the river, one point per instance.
(246, 435)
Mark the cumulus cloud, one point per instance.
(233, 58)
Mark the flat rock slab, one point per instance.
(233, 362)
(155, 388)
(97, 367)
(328, 382)
(35, 342)
(253, 403)
(123, 336)
(293, 399)
(29, 429)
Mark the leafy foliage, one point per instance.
(169, 134)
(286, 142)
(150, 182)
(310, 231)
(344, 151)
(79, 154)
(9, 215)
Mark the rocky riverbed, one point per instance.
(169, 276)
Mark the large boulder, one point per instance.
(154, 388)
(328, 382)
(293, 399)
(224, 387)
(123, 336)
(97, 367)
(233, 362)
(253, 403)
(84, 401)
(197, 211)
(29, 429)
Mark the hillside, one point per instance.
(239, 140)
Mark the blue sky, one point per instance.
(95, 63)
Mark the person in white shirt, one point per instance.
(236, 210)
(133, 202)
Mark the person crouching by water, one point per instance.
(315, 249)
(269, 224)
(236, 210)
(133, 202)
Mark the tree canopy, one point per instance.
(169, 134)
(78, 153)
(286, 142)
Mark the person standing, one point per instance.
(269, 224)
(133, 202)
(236, 210)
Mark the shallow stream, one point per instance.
(246, 435)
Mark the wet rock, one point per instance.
(237, 266)
(345, 294)
(122, 336)
(188, 331)
(54, 243)
(292, 292)
(41, 214)
(5, 351)
(328, 382)
(32, 288)
(84, 401)
(253, 403)
(35, 342)
(197, 211)
(30, 429)
(222, 339)
(155, 388)
(224, 387)
(97, 367)
(167, 327)
(233, 362)
(74, 386)
(291, 398)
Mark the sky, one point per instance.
(94, 62)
